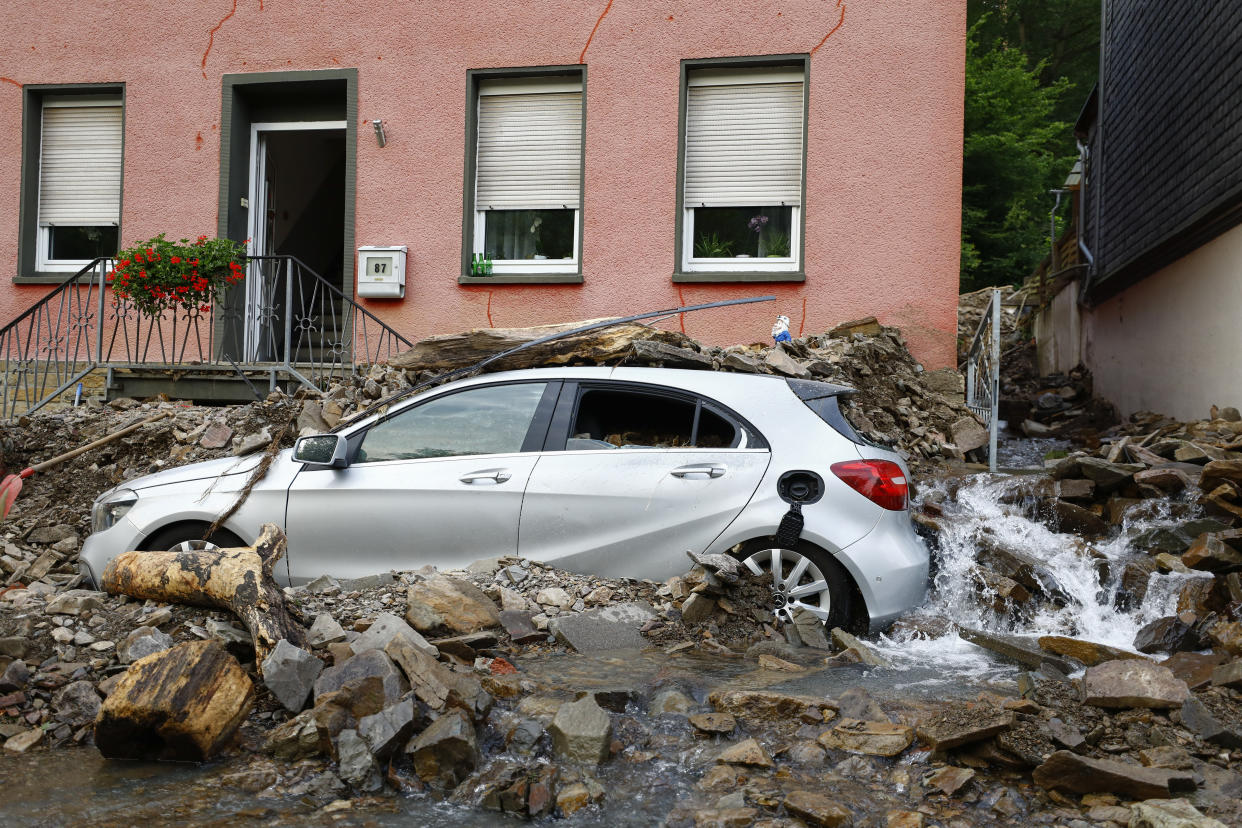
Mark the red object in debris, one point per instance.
(12, 586)
(500, 667)
(880, 481)
(10, 488)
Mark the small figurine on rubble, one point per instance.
(780, 330)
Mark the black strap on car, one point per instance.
(790, 530)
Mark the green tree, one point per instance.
(1015, 150)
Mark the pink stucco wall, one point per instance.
(883, 158)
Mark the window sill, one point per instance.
(522, 279)
(48, 278)
(740, 276)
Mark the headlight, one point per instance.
(105, 513)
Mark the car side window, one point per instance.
(609, 419)
(489, 420)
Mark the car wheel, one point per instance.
(804, 577)
(188, 537)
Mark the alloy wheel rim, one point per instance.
(193, 546)
(796, 583)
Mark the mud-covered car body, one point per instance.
(612, 471)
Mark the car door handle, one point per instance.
(708, 469)
(491, 475)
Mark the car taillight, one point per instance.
(880, 481)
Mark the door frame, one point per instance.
(256, 224)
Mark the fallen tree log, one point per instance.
(599, 347)
(238, 580)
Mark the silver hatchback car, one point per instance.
(611, 471)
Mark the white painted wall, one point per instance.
(1173, 342)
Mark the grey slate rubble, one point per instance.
(290, 673)
(608, 628)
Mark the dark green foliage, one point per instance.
(1029, 66)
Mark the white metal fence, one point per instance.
(983, 372)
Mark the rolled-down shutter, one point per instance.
(530, 150)
(80, 164)
(743, 142)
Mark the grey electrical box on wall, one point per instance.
(381, 272)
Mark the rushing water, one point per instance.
(982, 512)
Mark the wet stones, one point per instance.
(1133, 683)
(1015, 649)
(356, 765)
(949, 779)
(817, 809)
(388, 729)
(581, 732)
(1088, 652)
(761, 706)
(1215, 552)
(446, 752)
(184, 703)
(1228, 675)
(872, 738)
(24, 741)
(960, 726)
(748, 753)
(289, 672)
(295, 739)
(716, 724)
(1069, 771)
(1166, 635)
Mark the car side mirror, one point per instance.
(325, 451)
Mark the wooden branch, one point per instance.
(238, 580)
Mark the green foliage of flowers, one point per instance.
(157, 274)
(712, 247)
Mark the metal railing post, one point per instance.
(994, 380)
(288, 309)
(99, 317)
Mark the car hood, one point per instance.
(196, 471)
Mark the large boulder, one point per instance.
(446, 752)
(355, 763)
(581, 731)
(1215, 552)
(1133, 683)
(607, 628)
(962, 725)
(1166, 635)
(1069, 771)
(184, 703)
(289, 672)
(463, 606)
(384, 629)
(370, 663)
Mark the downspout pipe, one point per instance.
(1082, 202)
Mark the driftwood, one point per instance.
(238, 580)
(181, 704)
(598, 347)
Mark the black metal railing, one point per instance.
(283, 318)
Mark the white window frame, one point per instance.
(518, 86)
(43, 234)
(753, 264)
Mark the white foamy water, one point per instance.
(1086, 574)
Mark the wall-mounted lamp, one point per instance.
(380, 137)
